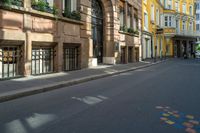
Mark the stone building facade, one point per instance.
(37, 39)
(168, 28)
(198, 19)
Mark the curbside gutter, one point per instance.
(36, 90)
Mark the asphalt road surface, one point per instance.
(160, 99)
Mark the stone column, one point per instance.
(28, 54)
(27, 48)
(59, 59)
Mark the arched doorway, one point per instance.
(97, 30)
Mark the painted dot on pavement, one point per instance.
(194, 122)
(170, 122)
(165, 114)
(190, 130)
(171, 113)
(163, 118)
(189, 116)
(175, 115)
(188, 125)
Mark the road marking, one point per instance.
(178, 119)
(15, 126)
(38, 120)
(90, 100)
(102, 97)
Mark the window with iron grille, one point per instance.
(9, 62)
(42, 61)
(71, 58)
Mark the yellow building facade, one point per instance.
(168, 28)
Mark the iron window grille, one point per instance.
(42, 61)
(71, 58)
(9, 62)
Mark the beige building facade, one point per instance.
(67, 35)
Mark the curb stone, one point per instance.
(36, 90)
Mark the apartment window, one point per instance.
(129, 17)
(165, 3)
(146, 21)
(191, 10)
(121, 16)
(168, 21)
(135, 20)
(70, 5)
(197, 6)
(184, 8)
(184, 25)
(177, 25)
(162, 18)
(177, 6)
(152, 13)
(169, 6)
(198, 27)
(50, 2)
(191, 26)
(157, 17)
(198, 17)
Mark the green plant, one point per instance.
(67, 13)
(76, 15)
(73, 15)
(136, 32)
(198, 47)
(130, 30)
(6, 3)
(41, 4)
(55, 10)
(124, 28)
(17, 3)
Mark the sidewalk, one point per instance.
(16, 88)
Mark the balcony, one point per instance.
(186, 33)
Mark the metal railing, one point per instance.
(186, 33)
